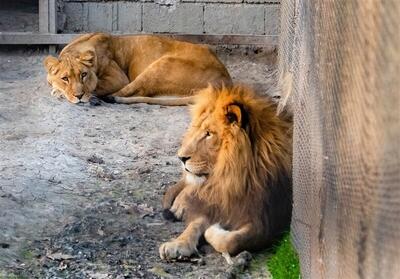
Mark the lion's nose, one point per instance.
(79, 96)
(184, 159)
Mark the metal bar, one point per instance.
(48, 19)
(24, 38)
(47, 16)
(52, 16)
(43, 16)
(52, 22)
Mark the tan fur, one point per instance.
(133, 69)
(242, 149)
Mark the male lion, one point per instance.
(236, 183)
(140, 66)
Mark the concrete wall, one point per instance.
(253, 17)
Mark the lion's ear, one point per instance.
(87, 58)
(235, 113)
(50, 62)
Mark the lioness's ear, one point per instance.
(50, 62)
(235, 113)
(87, 58)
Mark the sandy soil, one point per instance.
(80, 186)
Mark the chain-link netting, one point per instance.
(340, 64)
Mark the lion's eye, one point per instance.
(208, 134)
(84, 74)
(65, 79)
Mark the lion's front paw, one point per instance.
(178, 209)
(218, 238)
(181, 203)
(176, 249)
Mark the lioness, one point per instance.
(236, 183)
(141, 66)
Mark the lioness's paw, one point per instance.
(73, 100)
(56, 93)
(85, 98)
(176, 249)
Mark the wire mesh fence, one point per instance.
(340, 62)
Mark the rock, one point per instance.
(95, 159)
(59, 256)
(240, 263)
(159, 271)
(4, 245)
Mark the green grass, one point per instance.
(27, 255)
(10, 276)
(284, 262)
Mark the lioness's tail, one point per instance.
(163, 101)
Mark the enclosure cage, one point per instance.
(340, 65)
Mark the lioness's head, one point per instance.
(74, 76)
(218, 120)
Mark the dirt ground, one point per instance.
(80, 186)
